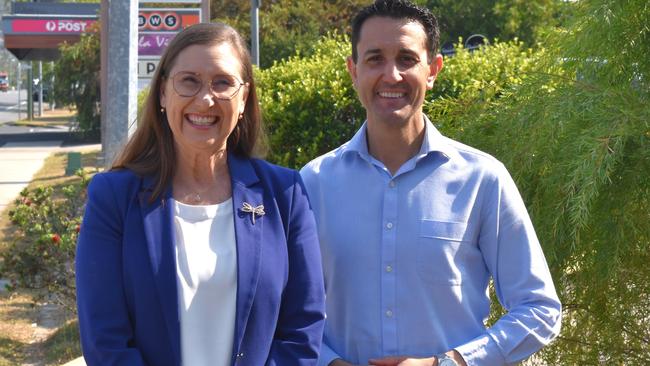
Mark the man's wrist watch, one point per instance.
(445, 360)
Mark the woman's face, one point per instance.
(203, 122)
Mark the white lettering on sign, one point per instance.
(71, 26)
(65, 26)
(171, 20)
(155, 20)
(162, 41)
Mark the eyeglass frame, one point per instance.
(241, 83)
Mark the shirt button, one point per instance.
(389, 268)
(389, 225)
(391, 184)
(389, 313)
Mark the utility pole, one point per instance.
(205, 11)
(119, 102)
(255, 31)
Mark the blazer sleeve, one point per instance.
(106, 331)
(300, 324)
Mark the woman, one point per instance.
(191, 252)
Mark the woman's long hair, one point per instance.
(150, 151)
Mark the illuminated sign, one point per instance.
(51, 26)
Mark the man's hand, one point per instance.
(408, 361)
(341, 362)
(403, 361)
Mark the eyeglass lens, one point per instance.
(188, 84)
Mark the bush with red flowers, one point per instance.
(41, 256)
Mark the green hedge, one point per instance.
(310, 107)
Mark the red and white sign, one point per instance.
(167, 20)
(54, 26)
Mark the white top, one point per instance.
(206, 272)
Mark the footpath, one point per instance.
(19, 161)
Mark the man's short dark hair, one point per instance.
(398, 9)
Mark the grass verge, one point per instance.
(63, 345)
(57, 117)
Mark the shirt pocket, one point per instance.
(440, 251)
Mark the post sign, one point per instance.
(51, 26)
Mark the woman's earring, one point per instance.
(162, 109)
(241, 115)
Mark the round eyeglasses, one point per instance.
(188, 84)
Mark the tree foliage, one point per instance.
(288, 27)
(78, 80)
(575, 134)
(503, 19)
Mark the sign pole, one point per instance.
(255, 31)
(40, 88)
(120, 108)
(19, 86)
(205, 11)
(30, 100)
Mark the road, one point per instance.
(9, 105)
(9, 113)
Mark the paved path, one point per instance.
(19, 161)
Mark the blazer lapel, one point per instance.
(248, 233)
(158, 224)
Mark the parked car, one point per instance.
(4, 82)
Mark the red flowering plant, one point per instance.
(41, 254)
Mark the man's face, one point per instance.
(391, 74)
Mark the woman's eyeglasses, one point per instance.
(188, 84)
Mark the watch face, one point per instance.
(447, 362)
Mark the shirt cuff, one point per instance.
(481, 350)
(326, 355)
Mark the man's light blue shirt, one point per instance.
(407, 258)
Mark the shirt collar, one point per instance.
(433, 142)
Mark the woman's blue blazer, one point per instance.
(126, 271)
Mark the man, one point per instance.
(414, 225)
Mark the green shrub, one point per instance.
(308, 104)
(42, 255)
(470, 81)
